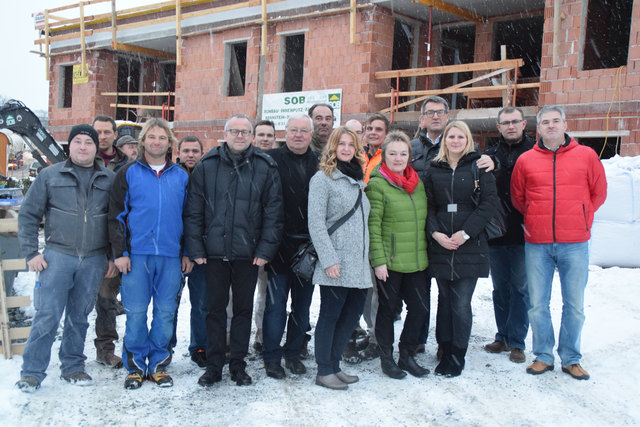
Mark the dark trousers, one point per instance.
(510, 294)
(425, 328)
(106, 313)
(275, 316)
(198, 319)
(240, 277)
(340, 310)
(454, 316)
(412, 288)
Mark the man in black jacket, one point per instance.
(506, 253)
(233, 224)
(297, 163)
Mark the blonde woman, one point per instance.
(342, 271)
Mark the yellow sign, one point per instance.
(77, 74)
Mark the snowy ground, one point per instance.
(491, 391)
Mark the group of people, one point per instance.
(385, 214)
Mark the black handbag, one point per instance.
(497, 225)
(303, 262)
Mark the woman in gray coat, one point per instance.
(342, 271)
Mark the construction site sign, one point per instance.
(278, 107)
(77, 74)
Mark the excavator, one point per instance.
(19, 119)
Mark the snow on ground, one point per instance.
(491, 390)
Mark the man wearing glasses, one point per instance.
(233, 225)
(297, 163)
(323, 118)
(510, 294)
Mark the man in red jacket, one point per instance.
(557, 185)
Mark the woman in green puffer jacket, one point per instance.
(398, 253)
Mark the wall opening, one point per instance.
(237, 68)
(293, 63)
(401, 56)
(66, 89)
(606, 37)
(523, 38)
(128, 81)
(169, 84)
(611, 145)
(457, 47)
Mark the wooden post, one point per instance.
(114, 29)
(556, 32)
(505, 76)
(82, 41)
(263, 35)
(178, 33)
(352, 22)
(46, 43)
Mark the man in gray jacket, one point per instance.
(73, 197)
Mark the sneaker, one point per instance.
(537, 368)
(576, 371)
(209, 378)
(133, 381)
(241, 377)
(28, 384)
(295, 366)
(497, 347)
(199, 357)
(78, 378)
(517, 355)
(161, 378)
(350, 354)
(110, 360)
(274, 370)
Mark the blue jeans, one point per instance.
(340, 310)
(275, 316)
(196, 281)
(157, 277)
(68, 284)
(572, 261)
(510, 294)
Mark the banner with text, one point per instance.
(278, 107)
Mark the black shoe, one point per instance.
(258, 348)
(209, 378)
(199, 357)
(274, 370)
(456, 362)
(350, 354)
(406, 362)
(295, 366)
(444, 349)
(389, 366)
(241, 377)
(304, 351)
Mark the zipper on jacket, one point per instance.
(453, 253)
(553, 216)
(415, 218)
(393, 246)
(584, 213)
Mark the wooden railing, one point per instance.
(166, 106)
(506, 91)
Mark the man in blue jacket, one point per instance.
(145, 230)
(233, 224)
(73, 197)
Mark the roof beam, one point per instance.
(465, 14)
(142, 50)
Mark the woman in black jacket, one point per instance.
(458, 249)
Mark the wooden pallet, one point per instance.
(8, 334)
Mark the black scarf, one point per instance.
(353, 169)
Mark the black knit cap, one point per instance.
(84, 130)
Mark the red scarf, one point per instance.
(407, 181)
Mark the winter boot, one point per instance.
(445, 359)
(388, 365)
(457, 361)
(406, 362)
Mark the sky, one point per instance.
(22, 74)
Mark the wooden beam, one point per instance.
(447, 69)
(19, 333)
(73, 6)
(114, 27)
(83, 45)
(142, 50)
(556, 33)
(144, 107)
(263, 34)
(19, 301)
(17, 264)
(465, 14)
(9, 225)
(138, 93)
(352, 22)
(46, 44)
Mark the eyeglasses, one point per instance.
(236, 132)
(295, 131)
(432, 113)
(510, 122)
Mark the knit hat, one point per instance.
(84, 130)
(125, 139)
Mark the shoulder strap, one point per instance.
(344, 219)
(476, 176)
